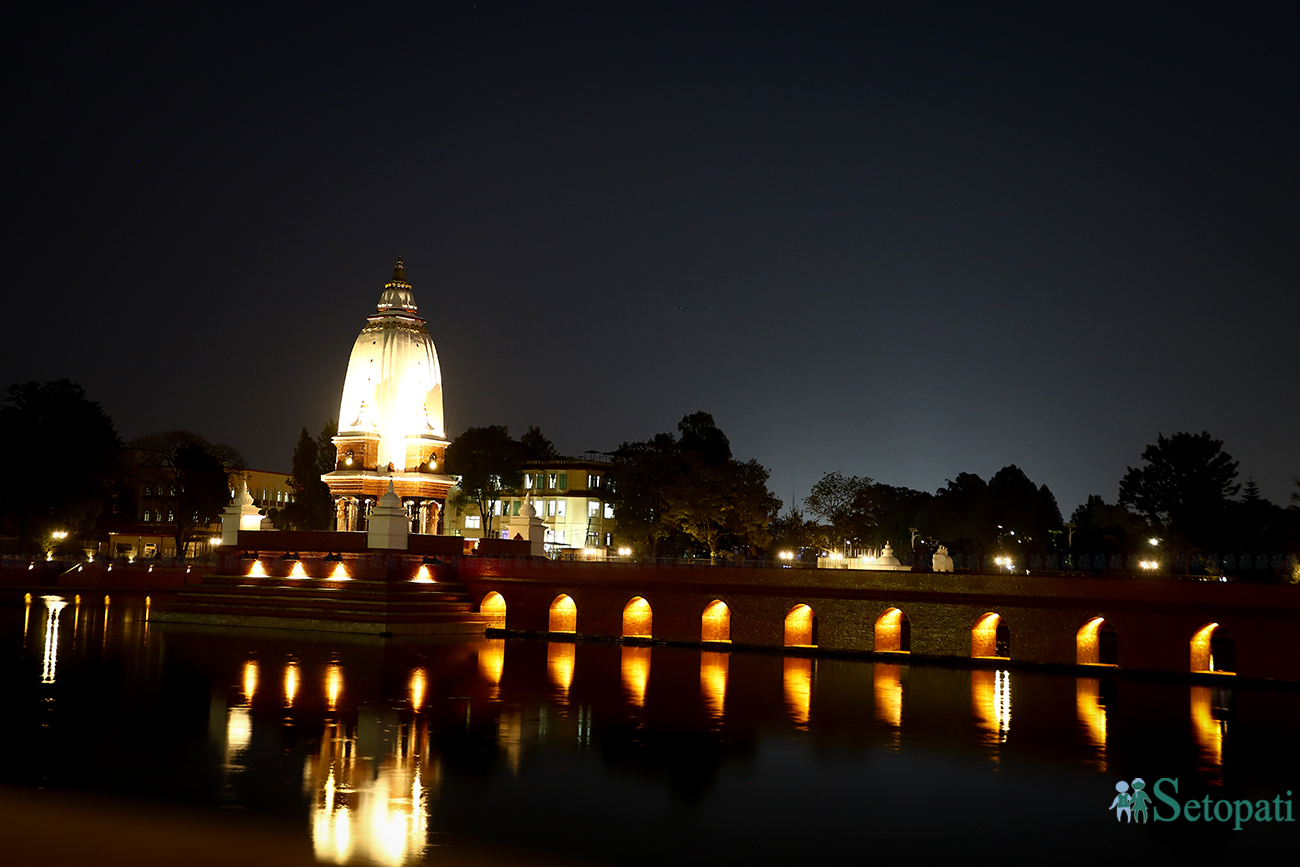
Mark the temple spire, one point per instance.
(399, 271)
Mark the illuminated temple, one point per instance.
(391, 426)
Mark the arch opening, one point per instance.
(715, 622)
(563, 616)
(893, 632)
(801, 627)
(494, 607)
(990, 637)
(1214, 650)
(637, 618)
(1096, 643)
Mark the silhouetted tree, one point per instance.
(312, 507)
(65, 460)
(536, 446)
(1184, 487)
(839, 500)
(711, 502)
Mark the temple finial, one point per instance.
(399, 270)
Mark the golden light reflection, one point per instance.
(1202, 651)
(239, 731)
(1087, 642)
(560, 659)
(510, 737)
(1208, 730)
(493, 609)
(419, 683)
(798, 688)
(636, 673)
(637, 619)
(298, 571)
(713, 681)
(990, 693)
(492, 662)
(291, 681)
(340, 573)
(333, 685)
(799, 627)
(715, 622)
(76, 612)
(27, 613)
(53, 605)
(984, 636)
(250, 680)
(889, 632)
(422, 575)
(887, 680)
(563, 616)
(371, 810)
(257, 570)
(1092, 715)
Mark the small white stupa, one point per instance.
(528, 527)
(389, 525)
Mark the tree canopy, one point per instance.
(70, 460)
(190, 475)
(489, 463)
(1184, 487)
(312, 507)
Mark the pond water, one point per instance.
(405, 753)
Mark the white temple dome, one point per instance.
(394, 384)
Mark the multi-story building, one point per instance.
(571, 499)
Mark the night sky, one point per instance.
(896, 240)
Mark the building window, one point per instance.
(609, 510)
(593, 481)
(559, 507)
(473, 522)
(147, 515)
(593, 508)
(170, 517)
(559, 537)
(528, 481)
(496, 507)
(148, 492)
(609, 539)
(551, 480)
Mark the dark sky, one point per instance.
(897, 240)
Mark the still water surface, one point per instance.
(609, 754)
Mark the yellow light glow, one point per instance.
(492, 662)
(637, 619)
(984, 636)
(799, 627)
(561, 657)
(333, 685)
(419, 682)
(990, 693)
(887, 682)
(257, 570)
(298, 571)
(1092, 715)
(1209, 732)
(291, 680)
(340, 573)
(53, 605)
(422, 575)
(239, 730)
(636, 673)
(1087, 644)
(27, 614)
(889, 631)
(493, 609)
(713, 681)
(715, 623)
(250, 680)
(563, 616)
(625, 552)
(797, 680)
(1202, 658)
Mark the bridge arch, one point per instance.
(893, 632)
(1096, 643)
(637, 618)
(563, 616)
(801, 627)
(990, 637)
(494, 606)
(1213, 650)
(715, 622)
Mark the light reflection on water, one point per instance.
(369, 732)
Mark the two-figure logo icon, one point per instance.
(1127, 803)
